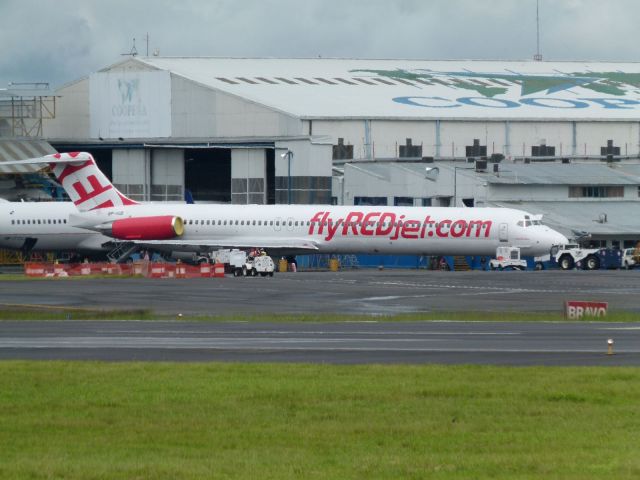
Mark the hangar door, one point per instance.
(207, 174)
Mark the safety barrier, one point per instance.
(142, 268)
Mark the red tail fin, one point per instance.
(85, 184)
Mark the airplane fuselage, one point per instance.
(332, 229)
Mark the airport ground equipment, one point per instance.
(243, 265)
(631, 257)
(570, 256)
(264, 265)
(508, 258)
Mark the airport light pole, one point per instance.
(289, 155)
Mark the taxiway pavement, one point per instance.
(368, 292)
(499, 343)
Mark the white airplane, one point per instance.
(99, 214)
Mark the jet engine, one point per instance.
(146, 228)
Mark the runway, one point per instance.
(497, 343)
(363, 292)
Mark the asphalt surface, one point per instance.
(500, 343)
(368, 292)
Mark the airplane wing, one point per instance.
(244, 242)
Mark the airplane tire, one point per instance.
(592, 263)
(566, 262)
(271, 274)
(539, 266)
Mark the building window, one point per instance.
(609, 151)
(342, 151)
(375, 201)
(427, 202)
(476, 150)
(596, 192)
(409, 150)
(403, 201)
(543, 150)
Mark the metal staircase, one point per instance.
(121, 251)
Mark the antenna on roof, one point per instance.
(133, 51)
(537, 57)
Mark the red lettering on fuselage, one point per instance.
(392, 226)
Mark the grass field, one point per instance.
(191, 421)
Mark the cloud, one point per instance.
(68, 39)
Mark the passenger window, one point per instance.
(271, 223)
(64, 221)
(236, 222)
(225, 222)
(13, 222)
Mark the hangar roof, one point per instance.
(564, 174)
(420, 89)
(620, 218)
(519, 173)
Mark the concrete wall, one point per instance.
(382, 138)
(131, 173)
(72, 113)
(167, 175)
(248, 176)
(310, 172)
(201, 112)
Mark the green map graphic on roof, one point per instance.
(609, 83)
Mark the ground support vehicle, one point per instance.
(264, 265)
(571, 256)
(631, 258)
(508, 258)
(243, 265)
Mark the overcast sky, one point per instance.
(60, 41)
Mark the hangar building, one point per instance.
(247, 130)
(154, 117)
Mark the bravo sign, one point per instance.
(575, 310)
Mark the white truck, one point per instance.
(571, 255)
(631, 258)
(508, 258)
(243, 265)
